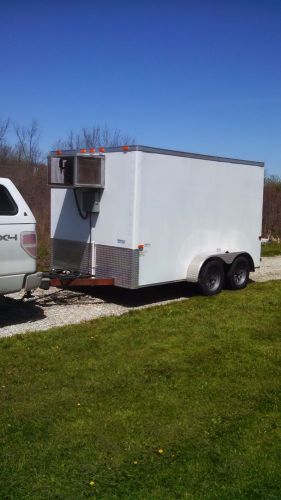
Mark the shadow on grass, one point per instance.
(15, 311)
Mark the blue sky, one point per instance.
(201, 76)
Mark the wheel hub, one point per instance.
(239, 276)
(213, 281)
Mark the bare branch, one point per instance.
(4, 125)
(27, 146)
(94, 137)
(5, 149)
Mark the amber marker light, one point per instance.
(102, 150)
(58, 152)
(125, 148)
(140, 247)
(92, 150)
(83, 150)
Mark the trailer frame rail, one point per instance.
(62, 280)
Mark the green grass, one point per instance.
(270, 249)
(199, 379)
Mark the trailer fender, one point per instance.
(194, 268)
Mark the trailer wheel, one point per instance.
(211, 277)
(238, 274)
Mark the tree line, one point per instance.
(271, 221)
(23, 162)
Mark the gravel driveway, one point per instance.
(56, 307)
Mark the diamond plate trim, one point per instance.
(119, 263)
(72, 255)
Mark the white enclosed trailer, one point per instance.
(145, 216)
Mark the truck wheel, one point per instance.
(238, 274)
(211, 277)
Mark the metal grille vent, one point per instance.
(73, 255)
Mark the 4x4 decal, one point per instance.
(7, 237)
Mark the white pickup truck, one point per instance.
(18, 242)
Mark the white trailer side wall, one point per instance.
(80, 244)
(115, 220)
(66, 223)
(188, 206)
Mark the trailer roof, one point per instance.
(172, 152)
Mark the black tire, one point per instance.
(238, 274)
(211, 279)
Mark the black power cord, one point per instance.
(83, 216)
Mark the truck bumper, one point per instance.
(33, 281)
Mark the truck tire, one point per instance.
(238, 274)
(211, 277)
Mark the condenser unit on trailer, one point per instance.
(138, 216)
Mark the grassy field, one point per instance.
(175, 402)
(270, 249)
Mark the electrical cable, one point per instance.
(83, 216)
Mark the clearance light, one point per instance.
(125, 148)
(140, 247)
(102, 150)
(58, 152)
(83, 150)
(92, 150)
